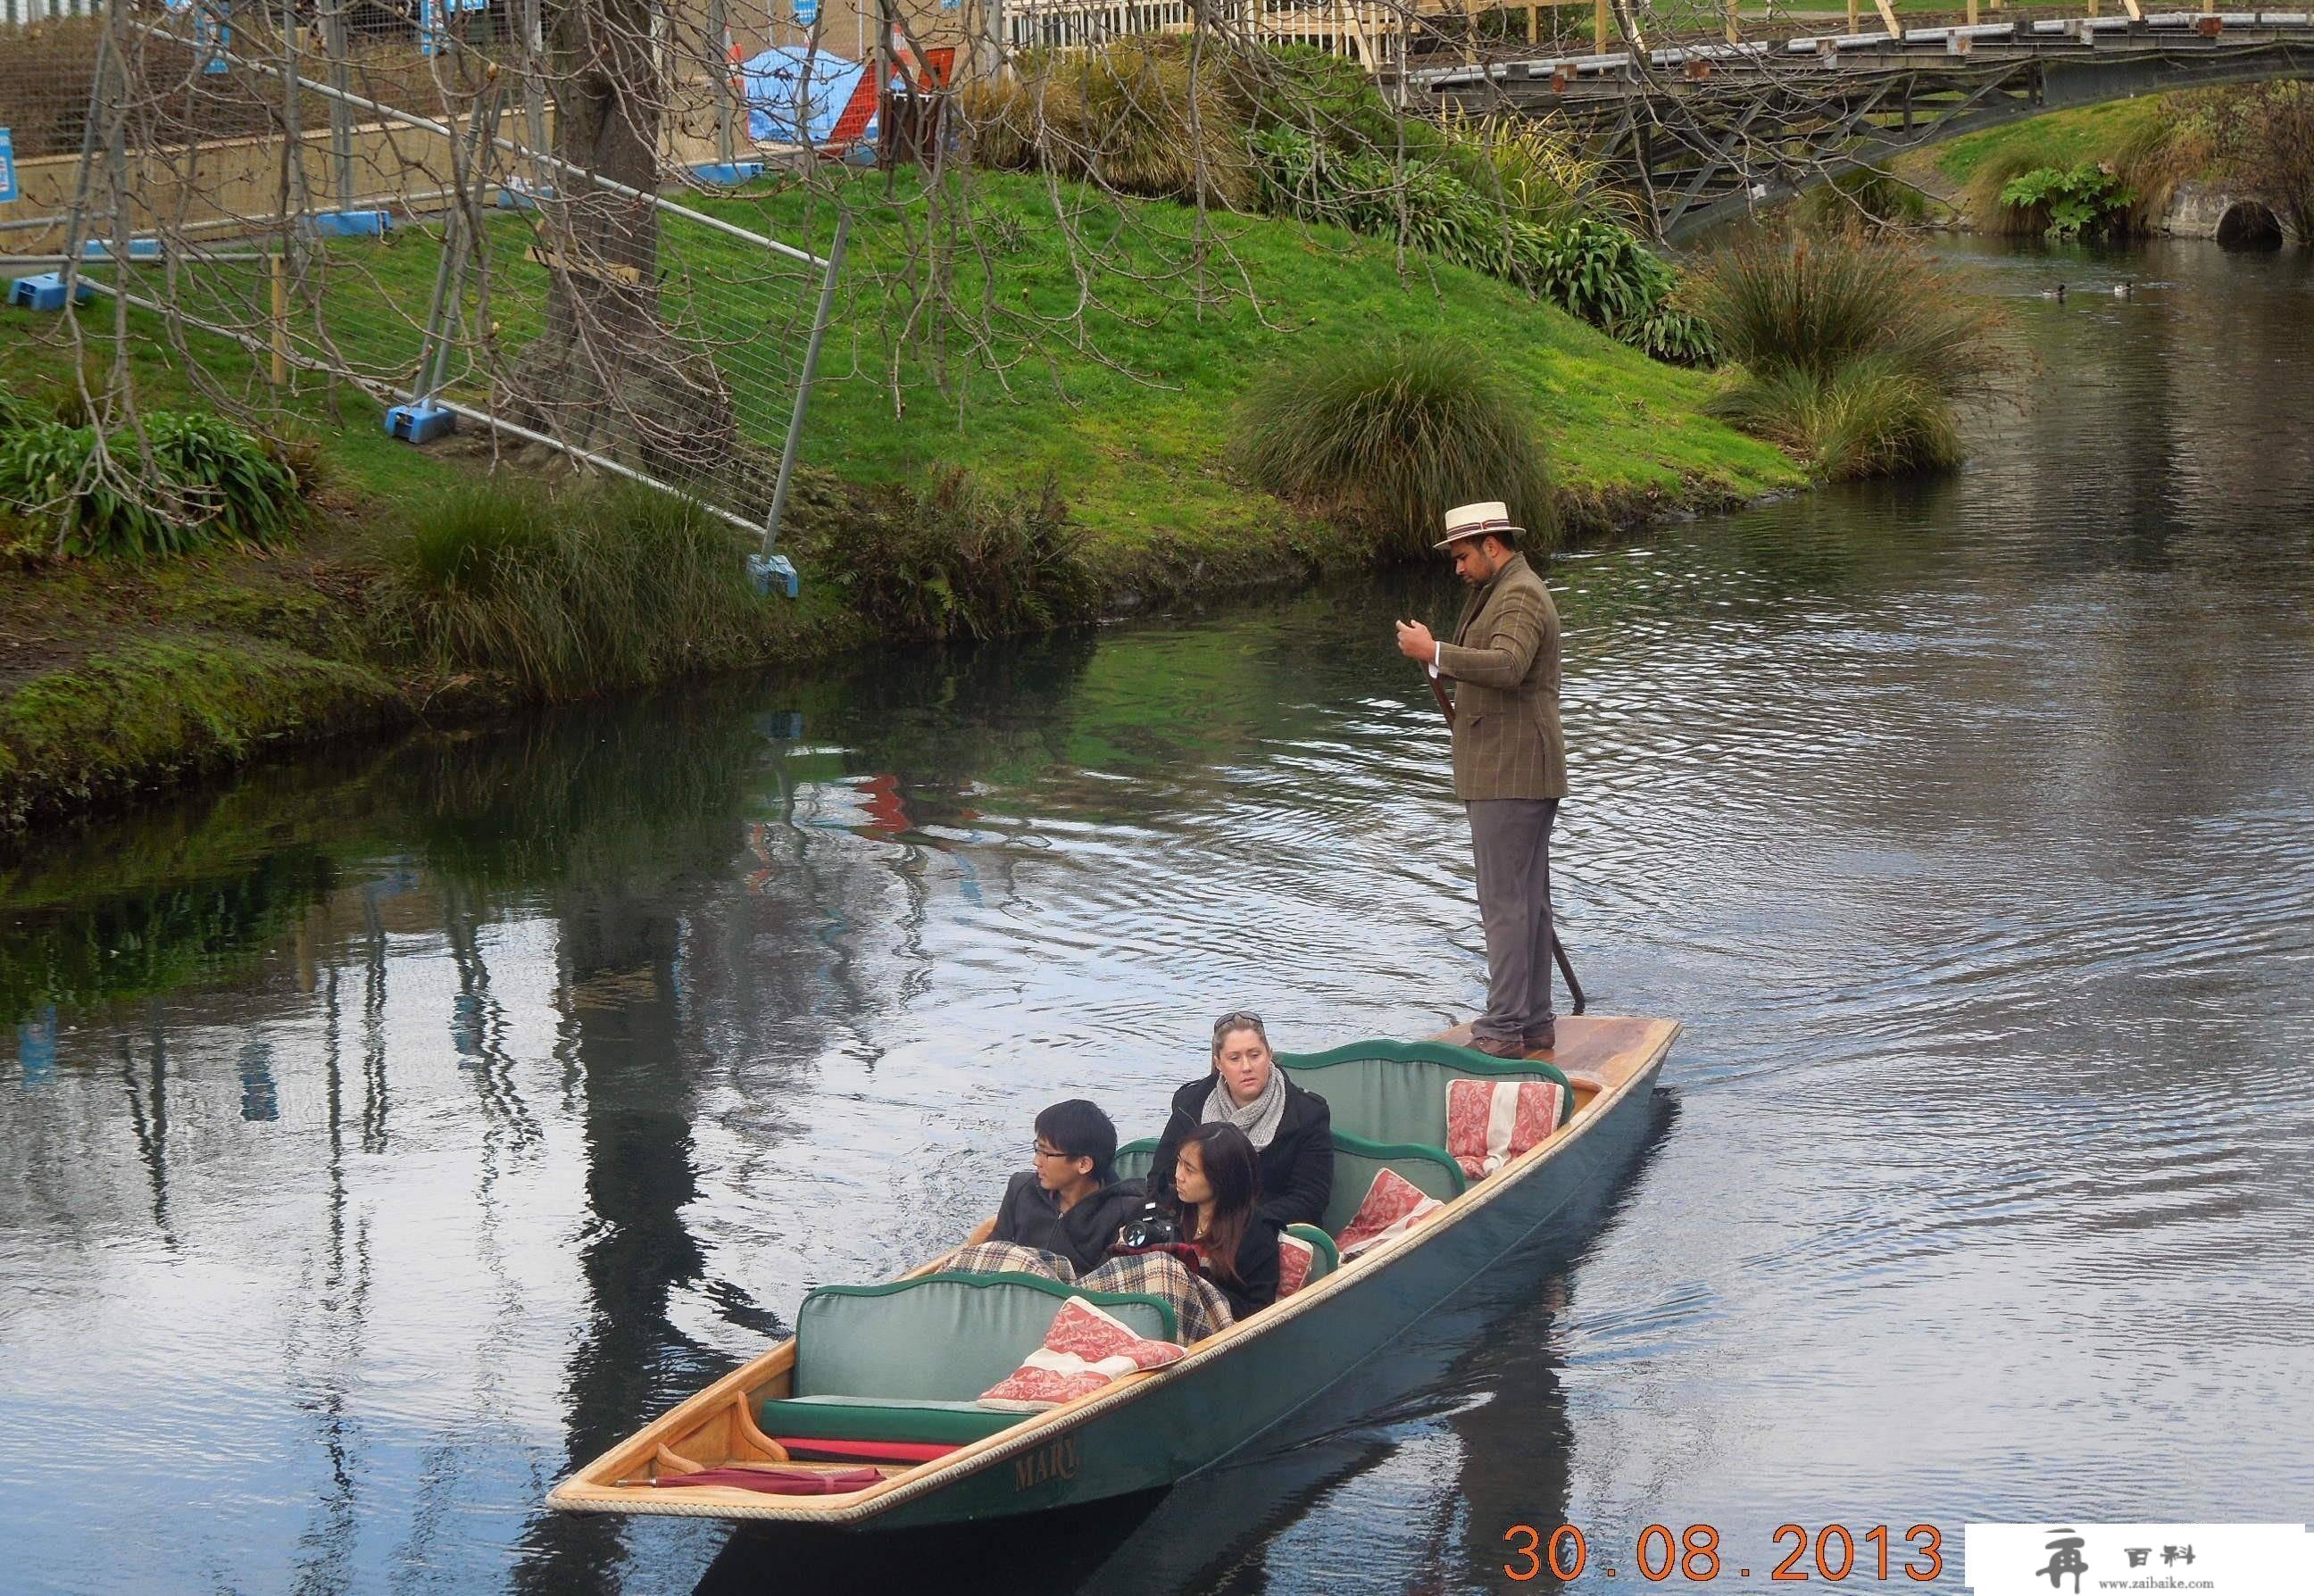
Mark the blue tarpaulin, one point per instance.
(794, 96)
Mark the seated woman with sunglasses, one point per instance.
(1291, 1129)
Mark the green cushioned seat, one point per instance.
(1135, 1160)
(865, 1418)
(1356, 1162)
(941, 1337)
(1395, 1092)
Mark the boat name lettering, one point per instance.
(1055, 1459)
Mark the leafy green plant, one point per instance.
(223, 478)
(957, 560)
(1599, 272)
(208, 479)
(2085, 201)
(1387, 436)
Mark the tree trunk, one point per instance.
(607, 373)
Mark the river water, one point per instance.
(389, 1128)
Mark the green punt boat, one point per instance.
(1151, 1429)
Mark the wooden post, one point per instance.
(2093, 7)
(1530, 24)
(1734, 24)
(1888, 19)
(1600, 27)
(1851, 16)
(281, 317)
(1971, 12)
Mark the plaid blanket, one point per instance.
(1199, 1306)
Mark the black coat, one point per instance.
(1032, 1217)
(1256, 1285)
(1297, 1167)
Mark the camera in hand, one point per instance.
(1153, 1226)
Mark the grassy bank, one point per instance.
(115, 675)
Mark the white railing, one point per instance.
(17, 13)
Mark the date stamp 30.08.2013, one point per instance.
(1694, 1555)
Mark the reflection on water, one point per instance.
(392, 1128)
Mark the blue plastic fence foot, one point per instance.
(353, 224)
(518, 194)
(46, 292)
(773, 573)
(781, 725)
(729, 174)
(419, 423)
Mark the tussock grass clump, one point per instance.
(1981, 203)
(1817, 303)
(1855, 350)
(1869, 419)
(567, 594)
(1387, 436)
(959, 561)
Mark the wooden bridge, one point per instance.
(1708, 132)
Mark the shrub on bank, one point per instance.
(1387, 436)
(957, 560)
(1863, 197)
(1868, 419)
(569, 593)
(1855, 350)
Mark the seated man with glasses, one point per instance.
(1071, 1202)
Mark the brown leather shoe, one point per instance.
(1498, 1047)
(1543, 1041)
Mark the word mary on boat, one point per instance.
(852, 1425)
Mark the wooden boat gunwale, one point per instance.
(584, 1490)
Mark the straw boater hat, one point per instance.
(1476, 520)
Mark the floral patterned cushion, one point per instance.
(1083, 1351)
(1489, 1123)
(1295, 1257)
(1394, 1206)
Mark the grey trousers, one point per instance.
(1510, 839)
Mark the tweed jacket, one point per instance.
(1505, 663)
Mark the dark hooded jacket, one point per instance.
(1032, 1216)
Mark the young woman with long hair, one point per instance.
(1217, 1187)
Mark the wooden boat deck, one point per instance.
(1602, 1057)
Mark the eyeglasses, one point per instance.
(1039, 1149)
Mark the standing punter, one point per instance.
(1510, 764)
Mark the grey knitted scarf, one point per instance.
(1258, 1119)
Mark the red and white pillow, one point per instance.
(1083, 1351)
(1394, 1206)
(1296, 1258)
(1489, 1123)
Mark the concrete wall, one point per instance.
(2199, 210)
